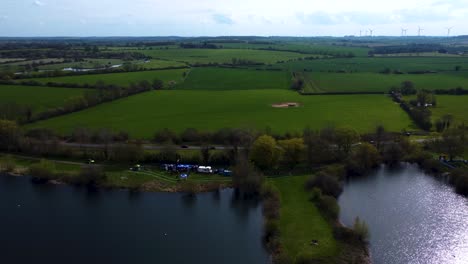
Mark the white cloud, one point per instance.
(38, 3)
(236, 17)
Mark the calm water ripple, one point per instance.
(412, 217)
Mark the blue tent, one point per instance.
(183, 176)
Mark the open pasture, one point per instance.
(376, 82)
(85, 64)
(235, 79)
(123, 79)
(38, 98)
(377, 64)
(141, 115)
(300, 220)
(205, 56)
(457, 106)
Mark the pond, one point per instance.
(65, 224)
(412, 217)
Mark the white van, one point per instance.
(204, 169)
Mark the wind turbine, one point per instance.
(448, 31)
(371, 31)
(420, 30)
(403, 31)
(360, 33)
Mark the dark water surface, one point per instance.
(412, 217)
(64, 224)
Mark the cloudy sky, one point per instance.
(230, 17)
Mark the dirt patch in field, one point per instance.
(285, 105)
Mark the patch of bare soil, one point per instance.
(285, 105)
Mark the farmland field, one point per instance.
(123, 79)
(453, 105)
(157, 64)
(377, 64)
(203, 56)
(85, 64)
(235, 79)
(38, 98)
(376, 82)
(141, 115)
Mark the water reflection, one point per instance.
(63, 224)
(412, 217)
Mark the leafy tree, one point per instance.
(392, 153)
(246, 177)
(293, 151)
(345, 138)
(364, 158)
(205, 153)
(165, 136)
(318, 149)
(453, 142)
(265, 152)
(157, 84)
(407, 88)
(328, 184)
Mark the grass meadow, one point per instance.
(376, 82)
(204, 56)
(38, 98)
(123, 79)
(453, 105)
(301, 221)
(141, 115)
(235, 79)
(377, 64)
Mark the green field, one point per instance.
(85, 64)
(453, 105)
(123, 79)
(301, 222)
(141, 115)
(377, 64)
(38, 98)
(203, 56)
(376, 82)
(158, 64)
(235, 79)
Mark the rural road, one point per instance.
(145, 146)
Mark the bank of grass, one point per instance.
(122, 79)
(235, 79)
(38, 98)
(375, 82)
(143, 114)
(117, 175)
(301, 222)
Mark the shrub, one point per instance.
(43, 170)
(7, 164)
(270, 229)
(327, 184)
(329, 207)
(91, 175)
(459, 178)
(361, 229)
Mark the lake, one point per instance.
(412, 217)
(65, 224)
